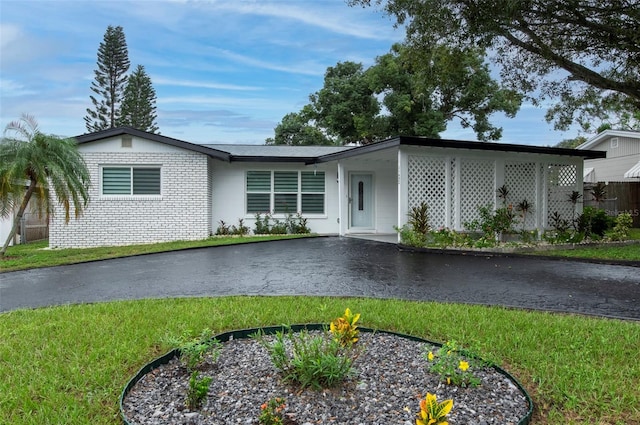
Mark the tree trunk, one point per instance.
(18, 217)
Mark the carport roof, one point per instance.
(459, 144)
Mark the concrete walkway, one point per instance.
(335, 266)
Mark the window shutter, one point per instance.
(259, 181)
(312, 203)
(116, 181)
(313, 182)
(146, 181)
(285, 181)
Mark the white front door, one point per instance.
(361, 201)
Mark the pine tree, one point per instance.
(138, 109)
(110, 80)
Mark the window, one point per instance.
(130, 181)
(283, 192)
(614, 143)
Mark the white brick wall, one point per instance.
(182, 212)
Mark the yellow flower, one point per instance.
(430, 356)
(463, 366)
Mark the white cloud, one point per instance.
(200, 84)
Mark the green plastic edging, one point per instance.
(270, 330)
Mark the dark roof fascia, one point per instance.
(118, 131)
(499, 147)
(360, 150)
(287, 159)
(459, 144)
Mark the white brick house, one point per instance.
(149, 188)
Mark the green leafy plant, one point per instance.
(432, 412)
(594, 222)
(271, 412)
(599, 193)
(296, 224)
(503, 194)
(263, 226)
(419, 218)
(344, 329)
(454, 365)
(409, 237)
(524, 207)
(223, 229)
(574, 198)
(313, 361)
(198, 390)
(240, 229)
(193, 351)
(492, 223)
(445, 237)
(623, 223)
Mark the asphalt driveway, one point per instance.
(335, 266)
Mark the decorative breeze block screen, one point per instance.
(427, 182)
(561, 181)
(520, 179)
(476, 187)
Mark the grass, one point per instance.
(34, 255)
(603, 252)
(69, 364)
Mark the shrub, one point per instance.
(311, 361)
(623, 223)
(344, 329)
(262, 224)
(296, 224)
(240, 229)
(410, 237)
(198, 389)
(271, 411)
(419, 218)
(193, 351)
(432, 412)
(492, 223)
(593, 222)
(223, 229)
(454, 365)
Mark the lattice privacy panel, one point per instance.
(476, 187)
(427, 182)
(520, 179)
(561, 181)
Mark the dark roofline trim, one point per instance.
(288, 159)
(359, 150)
(459, 144)
(118, 131)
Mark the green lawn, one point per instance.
(68, 365)
(34, 255)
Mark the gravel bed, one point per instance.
(391, 378)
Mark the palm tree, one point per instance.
(44, 164)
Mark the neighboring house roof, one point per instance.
(318, 154)
(634, 172)
(605, 134)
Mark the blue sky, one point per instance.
(224, 71)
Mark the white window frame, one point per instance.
(130, 195)
(614, 143)
(299, 194)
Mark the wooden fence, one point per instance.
(33, 228)
(621, 197)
